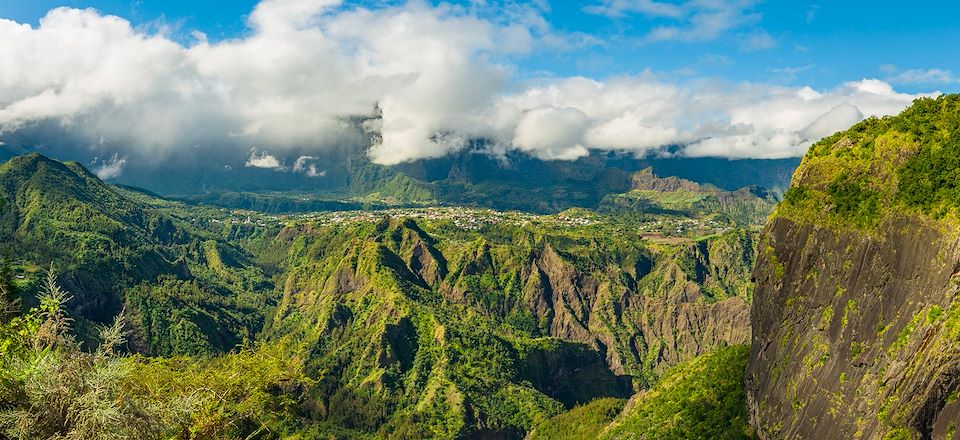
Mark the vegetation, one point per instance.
(114, 247)
(582, 422)
(51, 388)
(881, 167)
(703, 399)
(194, 322)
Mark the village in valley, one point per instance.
(658, 228)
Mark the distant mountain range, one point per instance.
(516, 181)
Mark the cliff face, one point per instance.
(854, 336)
(641, 310)
(856, 314)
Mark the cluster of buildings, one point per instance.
(462, 217)
(478, 218)
(677, 226)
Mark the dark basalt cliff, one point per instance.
(856, 314)
(854, 336)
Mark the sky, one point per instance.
(142, 80)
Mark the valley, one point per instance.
(673, 310)
(479, 220)
(431, 321)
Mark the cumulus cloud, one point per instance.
(643, 114)
(109, 168)
(305, 165)
(425, 79)
(263, 160)
(552, 133)
(295, 80)
(774, 122)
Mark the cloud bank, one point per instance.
(437, 77)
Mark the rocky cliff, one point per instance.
(856, 314)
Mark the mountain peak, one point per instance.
(37, 170)
(646, 180)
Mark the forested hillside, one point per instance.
(187, 290)
(434, 323)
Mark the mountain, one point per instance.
(491, 331)
(855, 328)
(700, 398)
(110, 247)
(442, 322)
(685, 198)
(345, 177)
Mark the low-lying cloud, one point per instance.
(306, 165)
(109, 168)
(263, 160)
(438, 76)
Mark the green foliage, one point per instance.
(175, 317)
(582, 422)
(50, 388)
(898, 434)
(853, 202)
(879, 167)
(113, 243)
(703, 398)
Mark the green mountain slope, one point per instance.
(675, 196)
(432, 323)
(700, 398)
(421, 325)
(114, 251)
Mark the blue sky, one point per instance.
(260, 80)
(818, 43)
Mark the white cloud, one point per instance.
(651, 8)
(109, 168)
(694, 20)
(769, 122)
(441, 75)
(263, 160)
(552, 133)
(790, 73)
(704, 20)
(838, 118)
(644, 113)
(919, 76)
(289, 83)
(811, 13)
(304, 165)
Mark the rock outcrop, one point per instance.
(645, 180)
